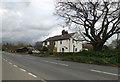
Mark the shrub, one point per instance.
(44, 49)
(55, 49)
(104, 57)
(102, 54)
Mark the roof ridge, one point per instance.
(59, 37)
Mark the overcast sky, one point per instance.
(29, 21)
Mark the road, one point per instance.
(26, 67)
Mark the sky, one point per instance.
(29, 21)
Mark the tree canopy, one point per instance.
(97, 21)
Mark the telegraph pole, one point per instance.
(118, 40)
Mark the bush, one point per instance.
(30, 52)
(96, 57)
(44, 49)
(102, 54)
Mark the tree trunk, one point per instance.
(98, 46)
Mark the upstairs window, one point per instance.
(60, 41)
(73, 41)
(49, 43)
(45, 42)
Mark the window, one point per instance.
(62, 49)
(60, 41)
(54, 43)
(50, 43)
(76, 49)
(65, 47)
(73, 41)
(45, 42)
(73, 48)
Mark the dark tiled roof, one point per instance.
(60, 37)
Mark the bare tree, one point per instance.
(9, 46)
(38, 45)
(99, 20)
(21, 44)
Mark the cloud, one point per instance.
(28, 21)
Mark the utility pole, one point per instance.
(118, 40)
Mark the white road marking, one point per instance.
(22, 70)
(63, 64)
(10, 63)
(56, 63)
(43, 80)
(52, 62)
(32, 74)
(46, 61)
(105, 72)
(15, 65)
(25, 71)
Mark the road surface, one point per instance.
(26, 67)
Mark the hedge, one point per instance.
(96, 57)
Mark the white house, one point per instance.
(71, 42)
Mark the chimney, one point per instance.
(64, 32)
